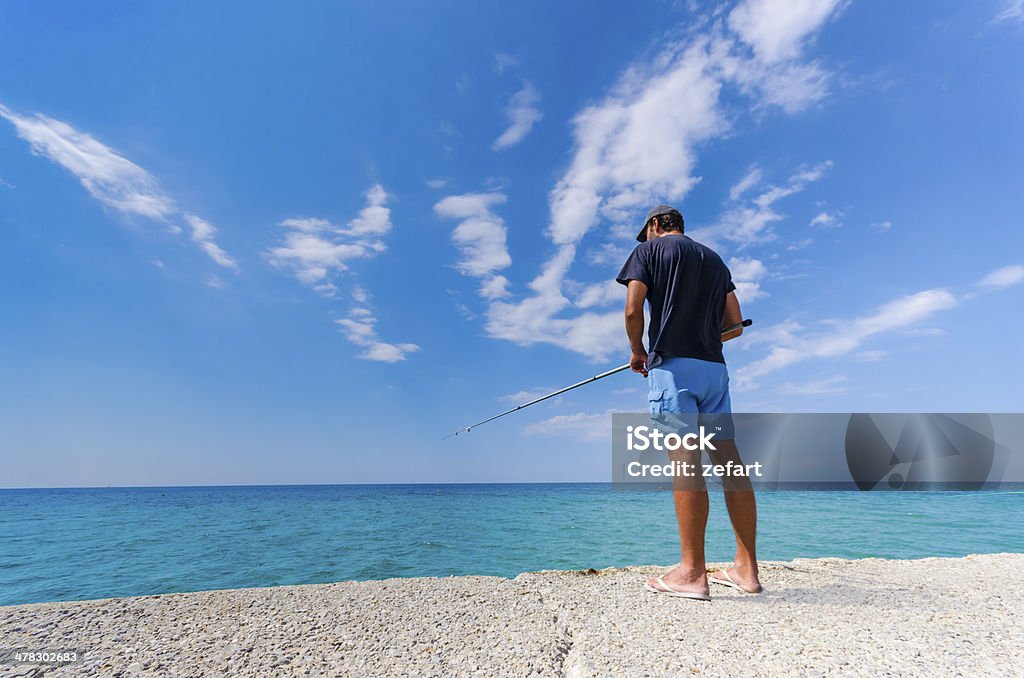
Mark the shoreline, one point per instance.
(823, 614)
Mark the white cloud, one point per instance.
(111, 178)
(826, 220)
(520, 397)
(581, 424)
(503, 62)
(792, 345)
(202, 234)
(360, 329)
(925, 331)
(314, 249)
(374, 219)
(360, 295)
(1012, 10)
(882, 226)
(609, 254)
(436, 183)
(776, 29)
(750, 224)
(1003, 277)
(480, 238)
(599, 294)
(494, 287)
(825, 386)
(214, 281)
(747, 269)
(790, 86)
(869, 356)
(749, 180)
(746, 274)
(522, 113)
(637, 146)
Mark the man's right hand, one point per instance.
(638, 362)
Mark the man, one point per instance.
(691, 297)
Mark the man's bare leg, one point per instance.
(691, 506)
(742, 507)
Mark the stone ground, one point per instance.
(936, 616)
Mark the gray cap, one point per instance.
(659, 211)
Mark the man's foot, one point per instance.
(733, 577)
(683, 581)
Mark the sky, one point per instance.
(302, 243)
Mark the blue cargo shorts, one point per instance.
(687, 392)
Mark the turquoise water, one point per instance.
(95, 543)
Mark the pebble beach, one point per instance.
(933, 616)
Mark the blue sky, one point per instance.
(299, 244)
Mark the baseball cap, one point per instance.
(659, 211)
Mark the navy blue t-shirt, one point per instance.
(686, 288)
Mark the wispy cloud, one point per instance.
(522, 113)
(202, 234)
(314, 249)
(480, 238)
(825, 386)
(638, 146)
(520, 397)
(580, 425)
(826, 220)
(111, 178)
(749, 222)
(1012, 10)
(598, 294)
(108, 176)
(746, 275)
(1003, 277)
(749, 180)
(503, 62)
(882, 226)
(794, 344)
(360, 328)
(869, 356)
(776, 30)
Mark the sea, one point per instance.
(78, 544)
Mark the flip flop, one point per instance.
(728, 581)
(669, 591)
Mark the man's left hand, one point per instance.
(638, 362)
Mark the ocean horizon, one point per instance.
(85, 543)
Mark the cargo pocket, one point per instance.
(659, 401)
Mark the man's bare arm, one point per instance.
(732, 316)
(636, 293)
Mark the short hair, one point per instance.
(673, 221)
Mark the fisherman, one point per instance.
(691, 297)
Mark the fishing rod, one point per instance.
(728, 330)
